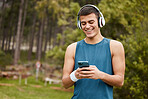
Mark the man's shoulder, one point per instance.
(71, 49)
(116, 46)
(72, 45)
(115, 43)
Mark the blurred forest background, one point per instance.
(32, 30)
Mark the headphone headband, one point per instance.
(89, 5)
(101, 21)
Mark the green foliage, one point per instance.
(73, 35)
(5, 59)
(62, 21)
(59, 37)
(127, 21)
(58, 52)
(128, 14)
(136, 65)
(74, 8)
(70, 35)
(56, 55)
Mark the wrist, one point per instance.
(73, 77)
(102, 75)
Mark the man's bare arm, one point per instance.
(68, 65)
(118, 63)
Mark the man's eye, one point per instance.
(83, 23)
(91, 22)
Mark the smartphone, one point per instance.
(83, 64)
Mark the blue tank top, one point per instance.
(99, 55)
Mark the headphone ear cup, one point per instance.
(79, 24)
(101, 22)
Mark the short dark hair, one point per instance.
(88, 10)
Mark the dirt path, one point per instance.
(62, 89)
(5, 84)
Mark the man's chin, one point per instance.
(90, 37)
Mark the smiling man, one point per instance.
(105, 56)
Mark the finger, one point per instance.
(78, 75)
(85, 76)
(86, 72)
(85, 68)
(79, 70)
(92, 66)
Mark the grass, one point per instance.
(10, 89)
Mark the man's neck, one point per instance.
(94, 40)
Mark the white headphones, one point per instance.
(101, 20)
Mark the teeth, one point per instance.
(88, 30)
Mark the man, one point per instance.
(105, 56)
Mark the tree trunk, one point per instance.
(6, 40)
(4, 37)
(9, 40)
(18, 35)
(50, 32)
(62, 41)
(40, 39)
(31, 38)
(54, 33)
(14, 33)
(2, 10)
(23, 25)
(37, 40)
(10, 28)
(2, 30)
(47, 35)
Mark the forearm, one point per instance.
(113, 80)
(67, 82)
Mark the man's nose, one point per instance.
(87, 25)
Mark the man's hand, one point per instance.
(91, 72)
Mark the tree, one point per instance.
(131, 18)
(17, 48)
(39, 52)
(32, 37)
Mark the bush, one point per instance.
(5, 59)
(56, 56)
